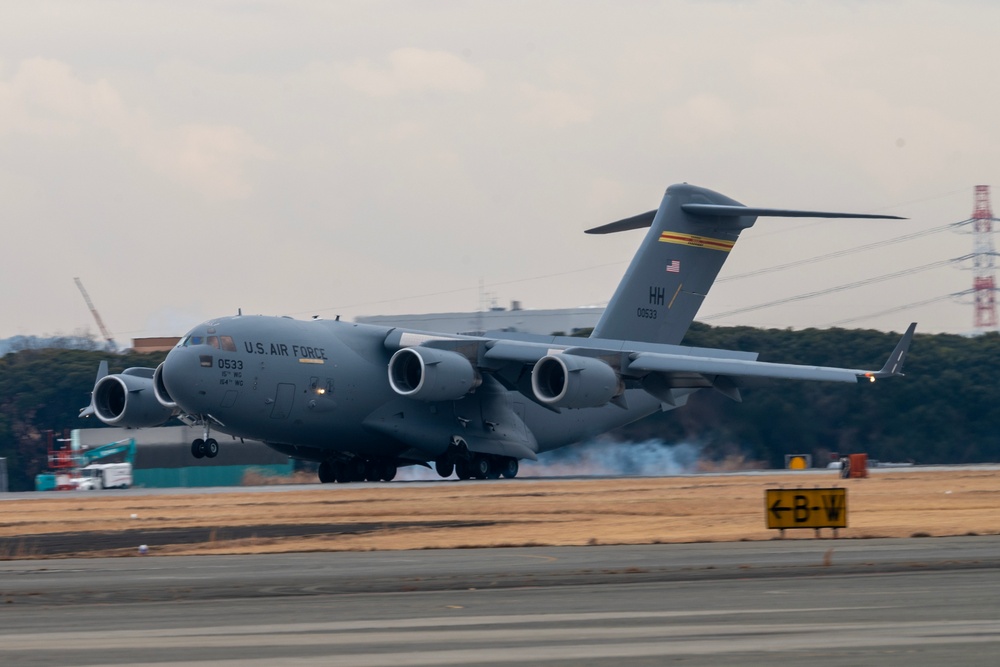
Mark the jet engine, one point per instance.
(429, 374)
(128, 400)
(160, 389)
(571, 381)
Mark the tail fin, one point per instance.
(689, 240)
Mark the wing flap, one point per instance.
(675, 363)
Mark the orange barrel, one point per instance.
(859, 466)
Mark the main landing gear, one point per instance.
(474, 465)
(480, 466)
(356, 470)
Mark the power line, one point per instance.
(837, 253)
(746, 274)
(906, 306)
(838, 288)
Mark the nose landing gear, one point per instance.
(205, 447)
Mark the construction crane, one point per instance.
(112, 345)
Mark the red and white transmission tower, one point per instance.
(983, 259)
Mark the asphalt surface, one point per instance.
(425, 477)
(910, 602)
(81, 543)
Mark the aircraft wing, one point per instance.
(562, 372)
(708, 362)
(671, 363)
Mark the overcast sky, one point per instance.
(186, 159)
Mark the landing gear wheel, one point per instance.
(444, 468)
(509, 468)
(198, 449)
(481, 467)
(387, 471)
(373, 471)
(356, 470)
(325, 472)
(211, 448)
(341, 472)
(463, 470)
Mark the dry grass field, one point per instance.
(701, 508)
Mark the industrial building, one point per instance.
(567, 321)
(163, 457)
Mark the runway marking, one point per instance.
(240, 632)
(539, 645)
(549, 559)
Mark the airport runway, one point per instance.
(910, 602)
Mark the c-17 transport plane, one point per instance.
(364, 400)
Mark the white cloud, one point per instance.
(412, 70)
(556, 109)
(44, 99)
(207, 158)
(699, 120)
(421, 145)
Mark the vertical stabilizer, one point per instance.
(674, 268)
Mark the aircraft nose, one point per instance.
(176, 381)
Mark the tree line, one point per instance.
(44, 389)
(944, 411)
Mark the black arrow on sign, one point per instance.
(777, 509)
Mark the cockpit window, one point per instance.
(218, 342)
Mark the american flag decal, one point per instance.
(674, 266)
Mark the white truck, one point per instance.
(104, 476)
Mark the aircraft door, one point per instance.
(283, 401)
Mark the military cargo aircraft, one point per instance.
(363, 400)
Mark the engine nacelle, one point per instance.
(571, 381)
(429, 374)
(160, 390)
(128, 400)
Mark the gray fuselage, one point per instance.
(312, 388)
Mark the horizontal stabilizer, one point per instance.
(722, 210)
(640, 221)
(644, 220)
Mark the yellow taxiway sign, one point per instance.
(806, 508)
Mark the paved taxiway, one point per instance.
(890, 602)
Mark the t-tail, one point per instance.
(689, 239)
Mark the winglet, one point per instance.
(894, 364)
